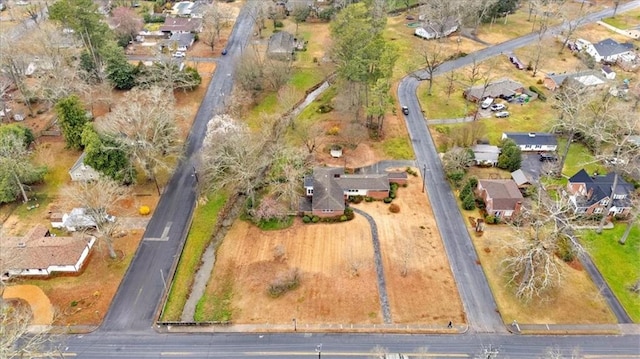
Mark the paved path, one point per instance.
(382, 166)
(377, 256)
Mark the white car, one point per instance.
(486, 103)
(617, 161)
(179, 54)
(502, 114)
(498, 107)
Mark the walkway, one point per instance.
(382, 286)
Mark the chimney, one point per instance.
(517, 207)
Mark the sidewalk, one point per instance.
(574, 329)
(314, 328)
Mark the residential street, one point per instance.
(126, 330)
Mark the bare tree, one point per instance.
(457, 159)
(611, 127)
(17, 340)
(259, 12)
(433, 55)
(233, 157)
(145, 126)
(310, 135)
(287, 172)
(531, 262)
(442, 14)
(16, 65)
(126, 22)
(215, 19)
(634, 217)
(98, 198)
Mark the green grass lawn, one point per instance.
(579, 157)
(398, 148)
(204, 220)
(624, 20)
(619, 264)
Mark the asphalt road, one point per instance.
(303, 345)
(140, 292)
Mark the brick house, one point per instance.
(328, 188)
(497, 89)
(591, 194)
(502, 198)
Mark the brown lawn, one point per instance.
(338, 283)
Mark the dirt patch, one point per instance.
(338, 282)
(40, 305)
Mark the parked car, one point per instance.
(502, 114)
(498, 107)
(179, 54)
(405, 110)
(486, 103)
(224, 52)
(547, 157)
(616, 161)
(514, 60)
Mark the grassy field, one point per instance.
(624, 20)
(398, 148)
(204, 220)
(619, 264)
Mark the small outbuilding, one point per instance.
(81, 172)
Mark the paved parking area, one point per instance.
(531, 165)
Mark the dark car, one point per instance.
(547, 157)
(224, 52)
(405, 110)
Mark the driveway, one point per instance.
(531, 165)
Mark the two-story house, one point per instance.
(591, 194)
(502, 198)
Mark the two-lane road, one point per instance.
(140, 292)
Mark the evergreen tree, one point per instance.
(510, 156)
(72, 117)
(105, 156)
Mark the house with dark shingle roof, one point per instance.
(328, 188)
(497, 89)
(502, 198)
(609, 50)
(533, 141)
(40, 254)
(591, 194)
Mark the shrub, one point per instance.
(541, 94)
(388, 200)
(315, 219)
(333, 131)
(368, 199)
(394, 208)
(565, 250)
(394, 186)
(343, 218)
(144, 210)
(456, 176)
(349, 213)
(491, 220)
(355, 199)
(412, 172)
(278, 24)
(306, 219)
(284, 283)
(469, 202)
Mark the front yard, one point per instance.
(619, 264)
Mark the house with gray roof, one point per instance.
(435, 30)
(173, 25)
(81, 172)
(281, 46)
(533, 141)
(179, 41)
(485, 155)
(609, 50)
(592, 194)
(501, 88)
(582, 79)
(328, 187)
(502, 198)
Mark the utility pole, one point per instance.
(424, 177)
(319, 350)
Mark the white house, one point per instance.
(431, 30)
(40, 254)
(609, 50)
(82, 172)
(533, 141)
